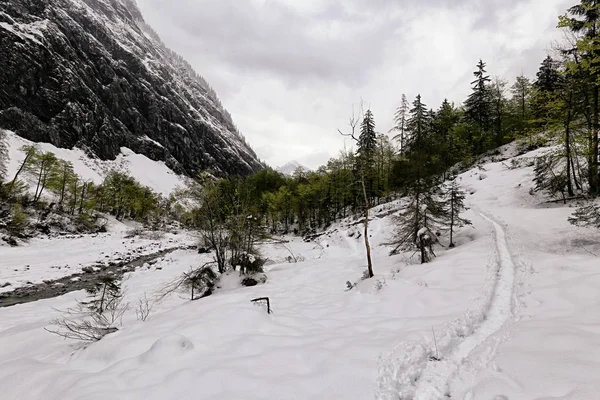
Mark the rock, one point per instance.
(11, 241)
(88, 270)
(249, 282)
(5, 284)
(253, 280)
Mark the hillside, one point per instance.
(92, 75)
(520, 274)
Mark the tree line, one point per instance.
(44, 181)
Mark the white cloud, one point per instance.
(289, 71)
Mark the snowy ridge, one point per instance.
(291, 167)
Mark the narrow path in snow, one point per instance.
(436, 378)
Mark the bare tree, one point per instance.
(353, 124)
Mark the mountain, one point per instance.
(289, 168)
(92, 74)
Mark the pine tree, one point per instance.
(498, 92)
(400, 120)
(455, 198)
(584, 20)
(419, 222)
(367, 146)
(548, 83)
(477, 110)
(548, 76)
(367, 140)
(521, 91)
(443, 124)
(418, 127)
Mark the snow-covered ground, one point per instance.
(513, 308)
(154, 174)
(51, 258)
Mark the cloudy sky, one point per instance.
(289, 71)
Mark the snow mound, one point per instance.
(167, 348)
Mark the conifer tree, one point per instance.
(548, 76)
(455, 198)
(419, 222)
(498, 99)
(367, 140)
(443, 125)
(477, 109)
(400, 120)
(367, 146)
(584, 20)
(521, 91)
(418, 126)
(544, 89)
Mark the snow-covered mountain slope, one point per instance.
(512, 307)
(535, 337)
(291, 167)
(154, 174)
(91, 74)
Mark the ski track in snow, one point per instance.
(436, 378)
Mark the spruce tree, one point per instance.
(367, 140)
(498, 98)
(367, 146)
(418, 127)
(421, 219)
(545, 88)
(477, 110)
(521, 91)
(455, 198)
(443, 123)
(548, 76)
(400, 120)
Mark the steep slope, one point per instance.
(91, 74)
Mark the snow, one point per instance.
(291, 167)
(30, 32)
(510, 313)
(154, 174)
(38, 259)
(146, 138)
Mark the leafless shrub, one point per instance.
(93, 319)
(133, 233)
(144, 307)
(292, 258)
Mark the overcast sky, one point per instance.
(289, 71)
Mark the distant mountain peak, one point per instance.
(291, 167)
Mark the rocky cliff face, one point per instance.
(92, 74)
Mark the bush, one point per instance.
(18, 221)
